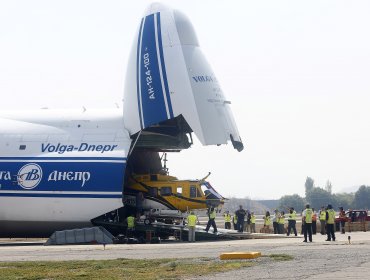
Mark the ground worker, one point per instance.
(342, 219)
(281, 222)
(253, 223)
(322, 217)
(241, 215)
(227, 218)
(275, 221)
(235, 221)
(307, 223)
(211, 220)
(330, 220)
(192, 220)
(292, 220)
(247, 225)
(267, 221)
(130, 220)
(314, 219)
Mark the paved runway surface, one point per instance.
(317, 260)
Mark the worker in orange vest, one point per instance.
(342, 218)
(314, 219)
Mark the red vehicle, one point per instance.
(355, 216)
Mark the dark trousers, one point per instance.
(235, 226)
(281, 228)
(130, 232)
(307, 229)
(227, 225)
(342, 224)
(240, 225)
(291, 226)
(276, 227)
(313, 227)
(211, 222)
(330, 232)
(323, 226)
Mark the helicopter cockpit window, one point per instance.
(210, 192)
(166, 191)
(179, 190)
(153, 192)
(204, 189)
(193, 192)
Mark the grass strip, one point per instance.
(118, 269)
(281, 257)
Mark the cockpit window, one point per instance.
(193, 192)
(204, 189)
(166, 191)
(210, 192)
(179, 190)
(153, 192)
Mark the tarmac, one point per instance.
(317, 260)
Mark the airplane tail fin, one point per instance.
(168, 77)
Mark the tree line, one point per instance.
(318, 196)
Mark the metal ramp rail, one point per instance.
(180, 232)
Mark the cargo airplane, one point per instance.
(59, 169)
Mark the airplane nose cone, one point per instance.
(155, 8)
(185, 30)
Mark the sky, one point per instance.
(297, 74)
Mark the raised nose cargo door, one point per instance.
(168, 77)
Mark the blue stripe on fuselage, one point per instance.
(63, 195)
(118, 159)
(68, 175)
(138, 73)
(152, 97)
(164, 74)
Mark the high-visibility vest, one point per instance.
(192, 220)
(309, 213)
(292, 216)
(235, 219)
(130, 222)
(331, 216)
(253, 219)
(212, 215)
(227, 218)
(267, 220)
(322, 215)
(281, 220)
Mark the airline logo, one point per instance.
(205, 79)
(29, 176)
(70, 176)
(83, 147)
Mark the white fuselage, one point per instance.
(59, 169)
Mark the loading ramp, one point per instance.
(180, 232)
(91, 235)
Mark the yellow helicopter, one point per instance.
(164, 192)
